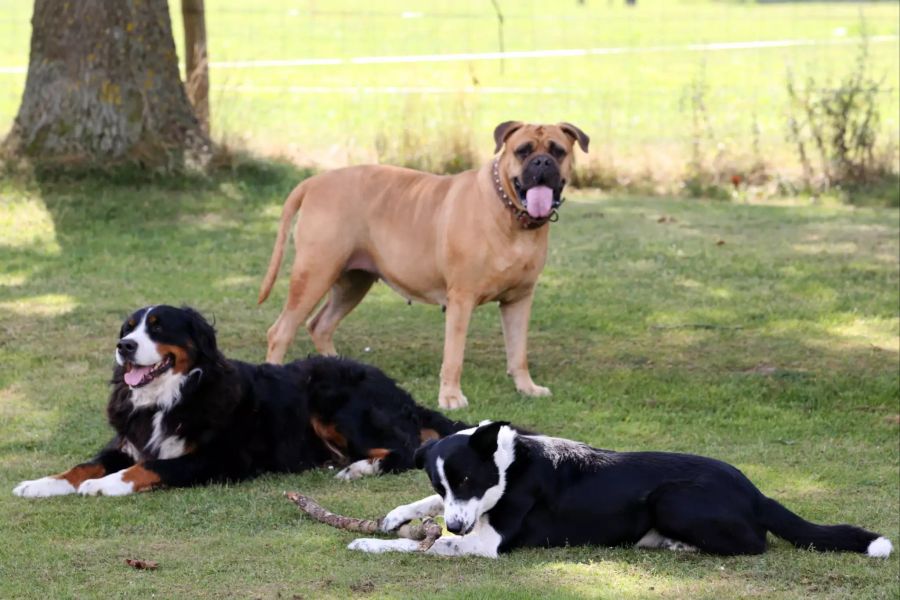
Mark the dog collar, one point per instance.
(522, 216)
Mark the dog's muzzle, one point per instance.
(539, 187)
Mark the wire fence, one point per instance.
(343, 81)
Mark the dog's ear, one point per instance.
(503, 131)
(422, 452)
(484, 439)
(576, 134)
(203, 335)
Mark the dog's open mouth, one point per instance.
(138, 376)
(537, 200)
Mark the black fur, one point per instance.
(238, 420)
(559, 493)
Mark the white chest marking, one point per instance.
(164, 392)
(160, 444)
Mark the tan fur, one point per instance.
(438, 239)
(140, 477)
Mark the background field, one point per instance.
(634, 98)
(764, 335)
(776, 350)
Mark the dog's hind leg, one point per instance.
(346, 293)
(713, 521)
(309, 283)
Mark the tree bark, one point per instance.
(103, 87)
(196, 59)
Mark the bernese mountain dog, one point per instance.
(185, 415)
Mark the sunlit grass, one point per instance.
(650, 334)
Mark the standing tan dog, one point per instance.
(458, 241)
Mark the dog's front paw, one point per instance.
(452, 400)
(361, 468)
(375, 546)
(394, 519)
(44, 488)
(446, 546)
(533, 389)
(111, 485)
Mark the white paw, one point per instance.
(534, 390)
(360, 468)
(446, 546)
(394, 519)
(43, 488)
(111, 485)
(452, 400)
(376, 546)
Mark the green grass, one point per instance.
(776, 351)
(635, 105)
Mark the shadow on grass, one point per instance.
(776, 350)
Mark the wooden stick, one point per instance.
(426, 532)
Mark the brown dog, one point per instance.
(458, 241)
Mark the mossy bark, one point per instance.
(103, 87)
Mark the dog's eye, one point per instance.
(464, 482)
(523, 151)
(156, 327)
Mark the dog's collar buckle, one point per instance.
(522, 216)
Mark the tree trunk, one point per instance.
(196, 59)
(103, 87)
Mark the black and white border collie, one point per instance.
(500, 489)
(184, 415)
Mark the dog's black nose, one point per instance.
(454, 527)
(542, 161)
(126, 347)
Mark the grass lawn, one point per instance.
(635, 105)
(776, 350)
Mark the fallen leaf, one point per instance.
(893, 419)
(720, 243)
(139, 564)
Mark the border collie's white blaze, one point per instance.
(461, 515)
(563, 493)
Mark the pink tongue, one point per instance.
(539, 200)
(136, 374)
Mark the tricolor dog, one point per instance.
(184, 415)
(500, 489)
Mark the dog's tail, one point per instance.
(291, 206)
(803, 534)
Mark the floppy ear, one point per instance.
(204, 337)
(503, 131)
(484, 439)
(576, 134)
(421, 453)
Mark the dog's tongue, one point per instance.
(136, 374)
(539, 201)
